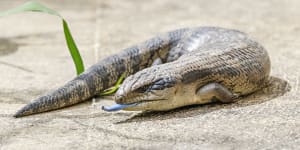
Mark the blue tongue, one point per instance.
(117, 107)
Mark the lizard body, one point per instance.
(174, 69)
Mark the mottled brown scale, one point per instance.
(203, 58)
(192, 58)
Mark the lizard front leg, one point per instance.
(213, 91)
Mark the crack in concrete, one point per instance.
(16, 67)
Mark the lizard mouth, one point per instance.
(117, 107)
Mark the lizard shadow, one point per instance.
(276, 87)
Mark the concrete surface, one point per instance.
(34, 60)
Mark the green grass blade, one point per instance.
(37, 7)
(30, 6)
(73, 49)
(114, 88)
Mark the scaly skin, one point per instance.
(234, 63)
(191, 58)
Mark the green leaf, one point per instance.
(73, 49)
(37, 7)
(114, 88)
(30, 6)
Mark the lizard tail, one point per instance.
(73, 92)
(88, 84)
(103, 75)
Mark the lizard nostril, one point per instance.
(119, 98)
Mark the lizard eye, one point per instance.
(157, 85)
(142, 89)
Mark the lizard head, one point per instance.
(149, 89)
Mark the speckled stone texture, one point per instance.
(34, 59)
